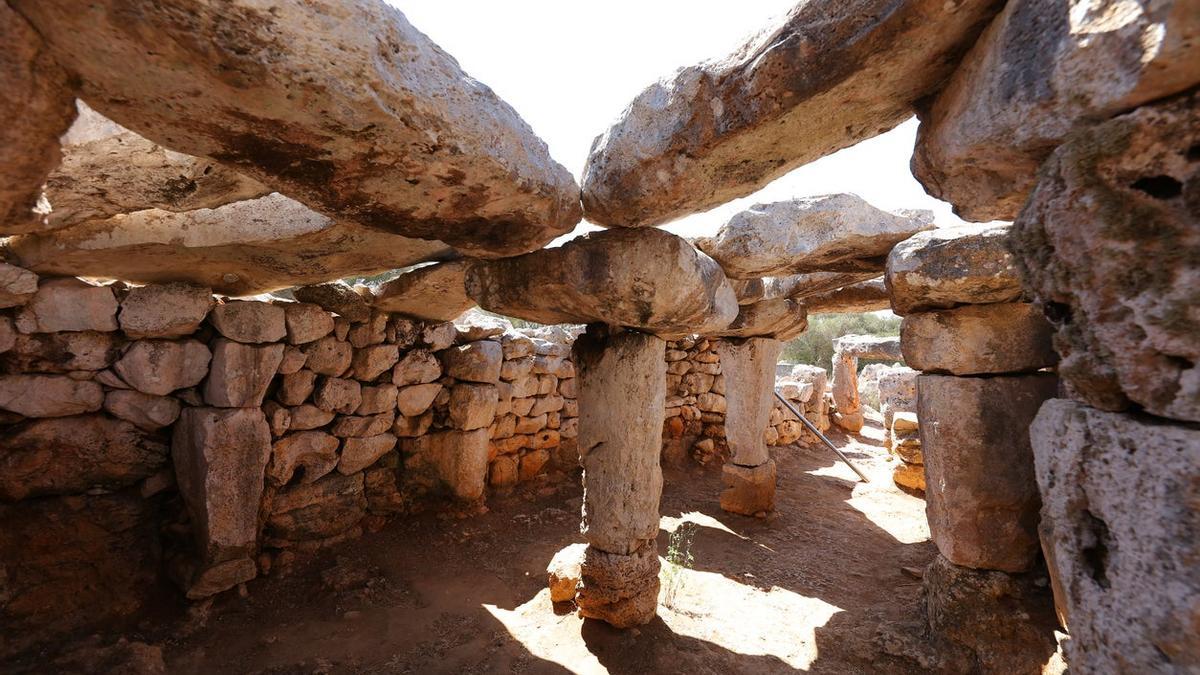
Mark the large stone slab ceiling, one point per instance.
(344, 106)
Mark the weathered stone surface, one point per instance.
(803, 286)
(437, 336)
(829, 233)
(108, 170)
(1119, 508)
(363, 425)
(293, 360)
(647, 278)
(822, 78)
(749, 368)
(748, 490)
(1004, 622)
(563, 572)
(952, 266)
(847, 350)
(409, 427)
(909, 476)
(978, 340)
(325, 508)
(418, 366)
(145, 411)
(982, 499)
(220, 456)
(362, 142)
(295, 388)
(377, 399)
(309, 416)
(37, 107)
(359, 453)
(241, 248)
(17, 285)
(240, 373)
(249, 321)
(416, 399)
(60, 352)
(337, 297)
(75, 563)
(777, 318)
(71, 455)
(306, 322)
(473, 406)
(1108, 245)
(621, 590)
(48, 395)
(1040, 71)
(475, 324)
(433, 293)
(864, 296)
(370, 362)
(339, 395)
(622, 390)
(460, 459)
(475, 361)
(68, 305)
(164, 310)
(328, 356)
(161, 366)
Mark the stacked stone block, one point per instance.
(981, 385)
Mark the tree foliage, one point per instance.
(815, 345)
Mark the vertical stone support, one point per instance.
(622, 391)
(749, 475)
(846, 353)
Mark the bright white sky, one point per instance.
(570, 68)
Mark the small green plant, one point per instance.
(679, 558)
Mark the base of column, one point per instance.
(749, 490)
(621, 590)
(852, 422)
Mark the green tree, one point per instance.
(815, 345)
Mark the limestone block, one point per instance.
(1119, 508)
(59, 352)
(828, 233)
(909, 476)
(295, 388)
(162, 366)
(319, 510)
(864, 296)
(49, 395)
(460, 459)
(435, 292)
(368, 363)
(337, 297)
(70, 455)
(516, 345)
(535, 460)
(17, 285)
(311, 453)
(952, 266)
(821, 78)
(279, 418)
(775, 318)
(377, 399)
(563, 572)
(653, 280)
(475, 361)
(306, 322)
(621, 590)
(240, 373)
(622, 390)
(361, 426)
(220, 456)
(749, 394)
(415, 399)
(748, 490)
(307, 416)
(516, 368)
(978, 340)
(338, 395)
(409, 427)
(293, 360)
(1108, 244)
(472, 406)
(328, 356)
(249, 321)
(373, 331)
(68, 305)
(418, 366)
(359, 453)
(1042, 70)
(145, 411)
(475, 324)
(981, 498)
(437, 336)
(530, 425)
(549, 403)
(164, 310)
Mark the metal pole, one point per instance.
(813, 428)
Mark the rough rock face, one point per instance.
(864, 296)
(647, 279)
(778, 318)
(108, 170)
(71, 455)
(981, 499)
(396, 138)
(1108, 245)
(74, 563)
(803, 286)
(952, 266)
(49, 395)
(725, 128)
(748, 490)
(622, 392)
(220, 457)
(829, 233)
(160, 367)
(164, 310)
(433, 293)
(1119, 496)
(37, 107)
(337, 297)
(978, 340)
(17, 285)
(563, 572)
(240, 374)
(1042, 69)
(60, 352)
(749, 370)
(68, 305)
(621, 590)
(241, 248)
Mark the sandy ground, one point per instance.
(804, 589)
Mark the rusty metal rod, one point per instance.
(813, 428)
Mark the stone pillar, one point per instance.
(749, 475)
(622, 391)
(847, 351)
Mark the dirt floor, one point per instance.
(804, 589)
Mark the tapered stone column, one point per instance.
(622, 391)
(749, 475)
(846, 353)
